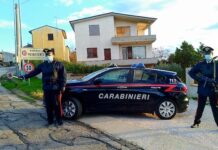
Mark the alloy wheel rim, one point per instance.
(167, 109)
(69, 109)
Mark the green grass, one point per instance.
(33, 90)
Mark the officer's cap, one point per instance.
(207, 50)
(46, 51)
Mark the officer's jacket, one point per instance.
(53, 75)
(202, 72)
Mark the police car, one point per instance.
(129, 89)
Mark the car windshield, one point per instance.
(91, 75)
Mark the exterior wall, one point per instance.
(192, 88)
(40, 40)
(84, 41)
(67, 54)
(6, 57)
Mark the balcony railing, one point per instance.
(144, 39)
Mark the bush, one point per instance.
(75, 68)
(173, 67)
(80, 68)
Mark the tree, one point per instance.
(160, 53)
(171, 58)
(186, 55)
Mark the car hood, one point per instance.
(75, 82)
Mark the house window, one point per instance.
(139, 52)
(50, 37)
(123, 31)
(94, 30)
(92, 53)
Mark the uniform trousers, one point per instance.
(201, 105)
(53, 105)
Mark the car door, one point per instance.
(144, 85)
(110, 89)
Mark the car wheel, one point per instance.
(72, 108)
(166, 109)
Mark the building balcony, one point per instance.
(144, 39)
(124, 62)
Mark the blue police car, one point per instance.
(130, 89)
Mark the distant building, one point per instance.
(114, 38)
(6, 58)
(73, 57)
(51, 37)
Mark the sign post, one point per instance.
(31, 54)
(28, 67)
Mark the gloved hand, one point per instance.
(211, 82)
(21, 77)
(62, 89)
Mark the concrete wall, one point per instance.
(40, 40)
(192, 88)
(84, 41)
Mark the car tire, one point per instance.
(72, 108)
(166, 109)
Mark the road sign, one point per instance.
(28, 67)
(32, 54)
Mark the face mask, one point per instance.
(208, 58)
(49, 58)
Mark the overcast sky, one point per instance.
(177, 20)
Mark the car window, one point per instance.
(141, 76)
(91, 75)
(115, 76)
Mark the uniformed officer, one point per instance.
(203, 73)
(54, 81)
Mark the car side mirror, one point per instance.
(97, 81)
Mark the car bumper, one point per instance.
(183, 103)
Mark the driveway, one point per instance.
(151, 133)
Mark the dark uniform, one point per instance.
(54, 81)
(203, 73)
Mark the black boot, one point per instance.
(196, 124)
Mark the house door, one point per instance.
(127, 52)
(107, 54)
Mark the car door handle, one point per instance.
(122, 87)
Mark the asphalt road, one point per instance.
(22, 126)
(150, 133)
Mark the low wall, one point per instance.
(192, 87)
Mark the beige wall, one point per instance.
(40, 40)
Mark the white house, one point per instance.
(114, 38)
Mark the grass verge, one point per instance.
(25, 90)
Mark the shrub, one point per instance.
(173, 67)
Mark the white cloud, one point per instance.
(70, 41)
(85, 12)
(10, 24)
(6, 24)
(185, 20)
(66, 2)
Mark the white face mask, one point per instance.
(49, 58)
(208, 57)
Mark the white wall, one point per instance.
(149, 53)
(84, 41)
(192, 88)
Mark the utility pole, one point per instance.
(18, 39)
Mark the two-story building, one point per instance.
(51, 37)
(114, 38)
